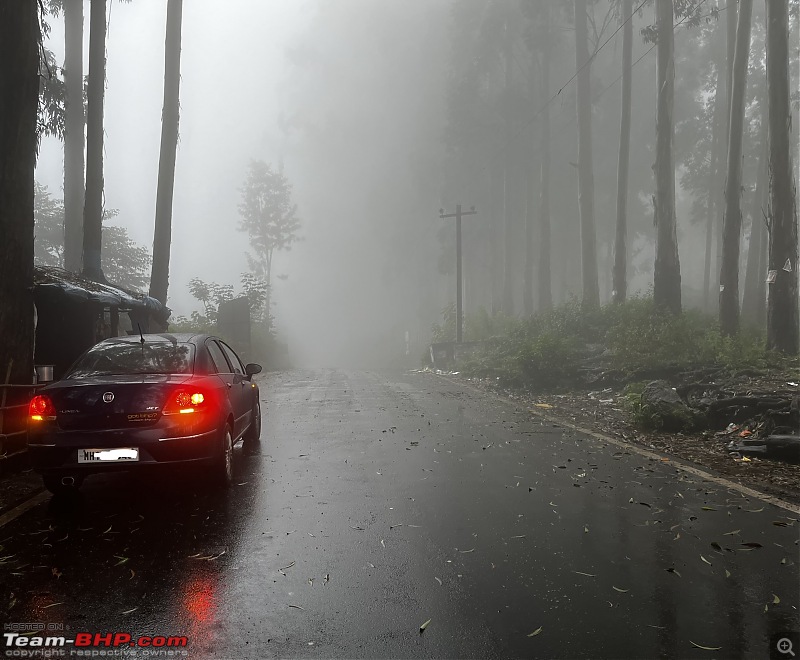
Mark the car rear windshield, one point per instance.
(108, 359)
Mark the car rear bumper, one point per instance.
(59, 454)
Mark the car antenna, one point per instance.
(141, 336)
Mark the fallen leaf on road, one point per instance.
(397, 525)
(536, 632)
(622, 591)
(423, 626)
(585, 529)
(546, 406)
(672, 570)
(775, 600)
(706, 560)
(518, 536)
(438, 580)
(51, 605)
(709, 508)
(382, 543)
(733, 533)
(297, 607)
(133, 574)
(285, 567)
(705, 648)
(727, 573)
(326, 578)
(131, 610)
(754, 510)
(586, 574)
(464, 552)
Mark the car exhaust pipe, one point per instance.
(68, 481)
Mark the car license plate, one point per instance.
(120, 455)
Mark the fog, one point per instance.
(355, 99)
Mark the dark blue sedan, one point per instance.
(132, 402)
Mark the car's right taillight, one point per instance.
(41, 409)
(186, 401)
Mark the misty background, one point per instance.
(368, 107)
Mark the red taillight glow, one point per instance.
(185, 402)
(41, 408)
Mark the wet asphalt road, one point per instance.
(377, 502)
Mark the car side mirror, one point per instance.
(252, 369)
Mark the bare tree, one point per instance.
(93, 205)
(753, 300)
(162, 235)
(732, 222)
(591, 286)
(667, 271)
(74, 139)
(19, 98)
(782, 308)
(620, 275)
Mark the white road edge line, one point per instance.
(678, 464)
(18, 510)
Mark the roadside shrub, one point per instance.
(536, 362)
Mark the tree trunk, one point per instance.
(93, 205)
(667, 271)
(620, 275)
(717, 129)
(19, 99)
(782, 308)
(530, 219)
(162, 237)
(754, 286)
(591, 288)
(722, 147)
(73, 134)
(508, 299)
(732, 221)
(544, 278)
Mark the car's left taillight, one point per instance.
(41, 409)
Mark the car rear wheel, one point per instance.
(55, 484)
(222, 469)
(253, 435)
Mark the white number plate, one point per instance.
(108, 455)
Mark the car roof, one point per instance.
(164, 337)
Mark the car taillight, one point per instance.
(185, 401)
(41, 408)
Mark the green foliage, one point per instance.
(643, 338)
(124, 262)
(478, 325)
(635, 338)
(212, 294)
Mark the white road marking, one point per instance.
(18, 510)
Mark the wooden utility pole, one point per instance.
(458, 215)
